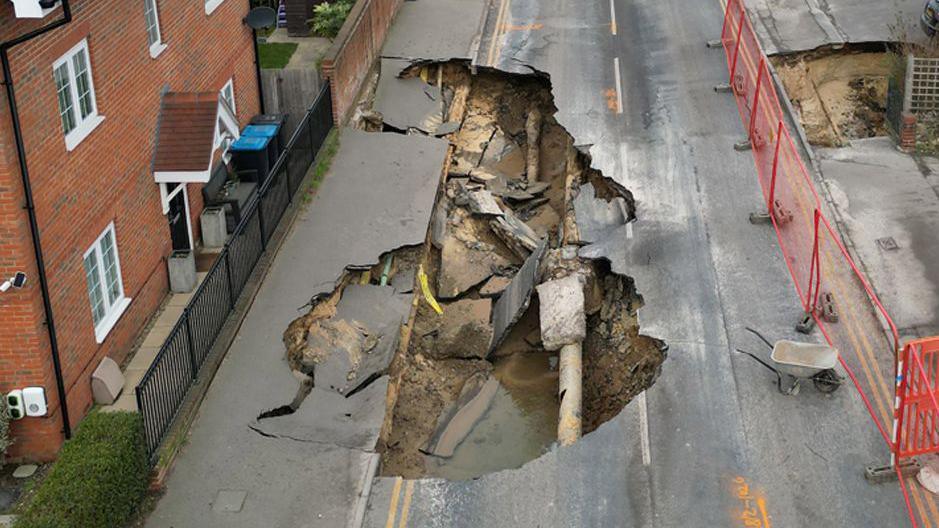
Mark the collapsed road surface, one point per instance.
(474, 386)
(711, 441)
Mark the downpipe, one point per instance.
(31, 206)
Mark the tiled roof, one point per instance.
(186, 131)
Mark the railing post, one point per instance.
(261, 219)
(231, 289)
(771, 201)
(192, 346)
(815, 272)
(143, 416)
(756, 98)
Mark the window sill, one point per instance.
(211, 5)
(73, 138)
(107, 324)
(157, 49)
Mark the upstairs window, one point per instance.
(103, 279)
(210, 5)
(152, 17)
(75, 91)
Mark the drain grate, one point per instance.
(888, 244)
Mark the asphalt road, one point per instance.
(712, 443)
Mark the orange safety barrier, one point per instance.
(822, 270)
(917, 422)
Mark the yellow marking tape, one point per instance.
(425, 288)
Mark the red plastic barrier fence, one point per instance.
(917, 423)
(822, 270)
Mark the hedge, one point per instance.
(99, 480)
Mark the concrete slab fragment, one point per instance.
(406, 103)
(596, 217)
(360, 341)
(464, 330)
(516, 298)
(561, 310)
(483, 203)
(326, 417)
(458, 420)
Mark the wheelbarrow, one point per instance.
(799, 361)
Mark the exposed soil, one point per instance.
(840, 96)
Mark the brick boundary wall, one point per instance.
(355, 49)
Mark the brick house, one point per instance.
(90, 97)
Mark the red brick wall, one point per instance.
(355, 49)
(106, 178)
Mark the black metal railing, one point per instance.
(166, 383)
(894, 113)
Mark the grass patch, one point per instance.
(99, 480)
(323, 162)
(275, 55)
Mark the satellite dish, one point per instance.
(261, 17)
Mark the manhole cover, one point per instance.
(888, 244)
(229, 501)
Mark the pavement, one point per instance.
(788, 26)
(882, 193)
(237, 472)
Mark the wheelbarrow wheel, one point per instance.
(827, 381)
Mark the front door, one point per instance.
(178, 216)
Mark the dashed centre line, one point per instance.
(619, 86)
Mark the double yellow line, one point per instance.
(497, 32)
(857, 337)
(405, 506)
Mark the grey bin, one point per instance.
(214, 229)
(182, 270)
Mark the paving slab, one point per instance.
(434, 29)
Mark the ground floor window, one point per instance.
(105, 286)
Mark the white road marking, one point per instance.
(619, 83)
(644, 429)
(612, 17)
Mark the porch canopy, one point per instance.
(191, 129)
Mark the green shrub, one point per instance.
(4, 428)
(328, 17)
(99, 480)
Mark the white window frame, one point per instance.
(113, 310)
(157, 47)
(83, 125)
(230, 88)
(211, 5)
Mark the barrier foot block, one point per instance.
(723, 88)
(714, 44)
(760, 218)
(743, 146)
(806, 324)
(882, 474)
(829, 313)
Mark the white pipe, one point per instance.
(570, 389)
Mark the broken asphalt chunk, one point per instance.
(596, 217)
(463, 331)
(359, 342)
(482, 203)
(517, 296)
(456, 423)
(520, 238)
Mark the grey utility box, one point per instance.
(182, 270)
(214, 230)
(107, 382)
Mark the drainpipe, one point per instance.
(31, 207)
(257, 61)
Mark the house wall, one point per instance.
(106, 178)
